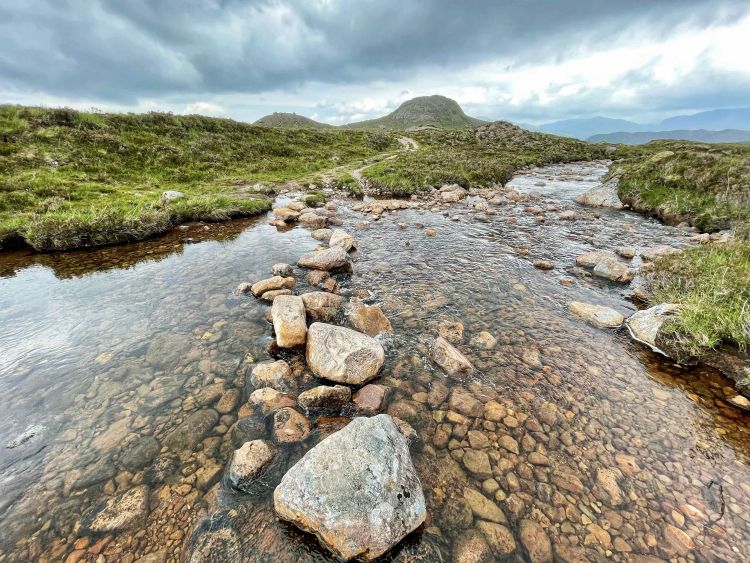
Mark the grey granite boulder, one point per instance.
(343, 355)
(357, 490)
(603, 195)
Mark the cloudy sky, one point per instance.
(345, 60)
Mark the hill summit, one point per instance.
(281, 119)
(424, 111)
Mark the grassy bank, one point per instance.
(474, 157)
(70, 179)
(712, 283)
(705, 185)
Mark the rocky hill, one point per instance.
(291, 120)
(698, 135)
(422, 112)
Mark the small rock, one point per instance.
(341, 238)
(322, 234)
(370, 398)
(614, 270)
(499, 538)
(644, 325)
(124, 511)
(282, 270)
(277, 375)
(452, 331)
(369, 320)
(543, 264)
(484, 340)
(289, 322)
(329, 259)
(471, 547)
(482, 507)
(478, 464)
(249, 462)
(450, 359)
(171, 195)
(325, 397)
(603, 195)
(289, 426)
(535, 541)
(269, 399)
(276, 282)
(322, 306)
(597, 315)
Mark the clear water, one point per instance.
(101, 348)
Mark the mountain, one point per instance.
(584, 128)
(277, 119)
(715, 120)
(425, 111)
(699, 135)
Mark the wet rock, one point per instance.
(282, 270)
(499, 538)
(325, 397)
(370, 399)
(357, 490)
(597, 315)
(249, 462)
(484, 340)
(228, 401)
(289, 426)
(482, 507)
(606, 480)
(464, 402)
(341, 238)
(269, 399)
(478, 463)
(211, 545)
(452, 331)
(535, 542)
(140, 453)
(313, 220)
(568, 482)
(594, 257)
(494, 411)
(343, 355)
(247, 429)
(644, 325)
(161, 469)
(603, 195)
(286, 214)
(289, 321)
(270, 284)
(276, 375)
(124, 511)
(193, 429)
(572, 554)
(326, 260)
(322, 234)
(677, 540)
(614, 270)
(625, 251)
(508, 443)
(450, 359)
(472, 547)
(322, 306)
(369, 320)
(543, 264)
(166, 349)
(740, 402)
(568, 215)
(97, 472)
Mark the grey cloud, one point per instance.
(121, 51)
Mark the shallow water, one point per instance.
(103, 348)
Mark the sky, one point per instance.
(338, 61)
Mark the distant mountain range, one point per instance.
(699, 135)
(715, 126)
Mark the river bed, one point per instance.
(609, 447)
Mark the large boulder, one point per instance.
(322, 306)
(289, 322)
(357, 490)
(343, 355)
(603, 195)
(597, 315)
(329, 259)
(644, 325)
(450, 359)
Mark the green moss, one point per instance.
(314, 198)
(712, 283)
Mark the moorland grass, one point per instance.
(70, 179)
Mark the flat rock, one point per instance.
(614, 270)
(289, 321)
(343, 355)
(450, 359)
(277, 375)
(325, 397)
(269, 284)
(124, 511)
(597, 315)
(140, 453)
(328, 259)
(357, 490)
(369, 319)
(322, 306)
(478, 463)
(603, 195)
(592, 258)
(249, 462)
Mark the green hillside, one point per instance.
(425, 111)
(291, 120)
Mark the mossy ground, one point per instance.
(71, 179)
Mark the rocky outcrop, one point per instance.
(357, 490)
(644, 325)
(343, 355)
(329, 259)
(289, 322)
(450, 359)
(597, 315)
(603, 195)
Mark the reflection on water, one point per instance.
(125, 367)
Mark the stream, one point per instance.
(612, 449)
